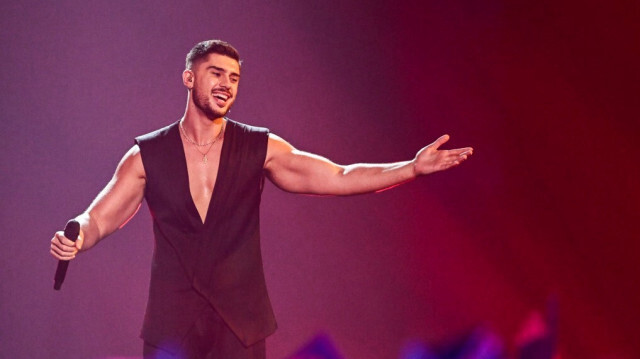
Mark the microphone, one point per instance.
(71, 231)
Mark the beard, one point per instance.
(204, 102)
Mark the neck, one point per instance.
(198, 126)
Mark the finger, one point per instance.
(440, 141)
(63, 243)
(60, 254)
(453, 156)
(462, 151)
(60, 257)
(63, 250)
(64, 240)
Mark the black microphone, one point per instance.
(71, 231)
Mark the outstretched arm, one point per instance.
(302, 172)
(111, 209)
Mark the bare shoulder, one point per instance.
(277, 147)
(131, 164)
(275, 142)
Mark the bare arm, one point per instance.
(302, 172)
(111, 209)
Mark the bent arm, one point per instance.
(110, 210)
(301, 172)
(117, 202)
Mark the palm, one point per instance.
(432, 159)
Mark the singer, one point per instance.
(202, 178)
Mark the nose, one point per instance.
(225, 82)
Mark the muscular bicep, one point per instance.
(297, 171)
(122, 196)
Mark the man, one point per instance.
(202, 178)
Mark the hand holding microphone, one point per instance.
(65, 246)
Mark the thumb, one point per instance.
(80, 241)
(440, 141)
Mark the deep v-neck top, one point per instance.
(222, 164)
(218, 259)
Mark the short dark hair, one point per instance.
(204, 48)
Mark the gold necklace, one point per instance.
(205, 160)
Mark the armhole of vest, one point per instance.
(140, 141)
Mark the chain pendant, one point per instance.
(205, 159)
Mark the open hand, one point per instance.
(432, 159)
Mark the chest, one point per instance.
(203, 165)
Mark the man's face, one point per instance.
(215, 84)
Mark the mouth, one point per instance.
(221, 97)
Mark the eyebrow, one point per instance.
(223, 70)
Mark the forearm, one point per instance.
(369, 178)
(89, 231)
(307, 173)
(365, 177)
(95, 226)
(103, 217)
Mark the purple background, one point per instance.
(547, 93)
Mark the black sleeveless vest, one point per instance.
(217, 264)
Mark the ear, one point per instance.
(187, 78)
